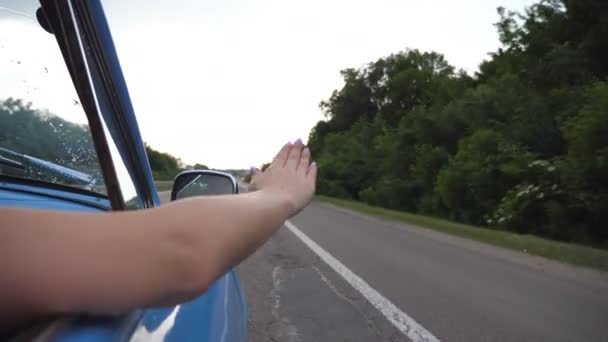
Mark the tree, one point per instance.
(198, 166)
(484, 169)
(522, 145)
(164, 166)
(586, 163)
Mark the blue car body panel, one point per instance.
(220, 314)
(215, 316)
(14, 194)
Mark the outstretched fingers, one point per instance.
(294, 155)
(281, 158)
(304, 161)
(312, 171)
(255, 174)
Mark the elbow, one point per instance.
(196, 281)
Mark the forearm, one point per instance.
(105, 263)
(216, 233)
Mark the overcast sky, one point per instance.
(227, 82)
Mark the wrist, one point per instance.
(279, 199)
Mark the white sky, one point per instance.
(227, 82)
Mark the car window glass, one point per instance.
(127, 187)
(44, 132)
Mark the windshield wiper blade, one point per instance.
(11, 163)
(85, 178)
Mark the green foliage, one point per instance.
(522, 145)
(485, 167)
(164, 185)
(164, 166)
(535, 206)
(198, 166)
(586, 163)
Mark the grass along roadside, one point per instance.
(564, 252)
(163, 185)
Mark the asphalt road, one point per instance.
(455, 289)
(165, 196)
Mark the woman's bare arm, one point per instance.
(59, 262)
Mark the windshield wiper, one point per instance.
(11, 163)
(63, 171)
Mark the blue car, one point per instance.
(69, 140)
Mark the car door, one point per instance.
(81, 32)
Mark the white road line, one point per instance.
(406, 324)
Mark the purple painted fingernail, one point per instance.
(253, 168)
(313, 164)
(307, 150)
(298, 142)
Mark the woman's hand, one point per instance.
(290, 176)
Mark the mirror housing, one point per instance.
(203, 183)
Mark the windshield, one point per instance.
(44, 134)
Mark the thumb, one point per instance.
(255, 175)
(255, 172)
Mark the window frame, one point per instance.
(84, 38)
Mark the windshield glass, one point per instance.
(44, 134)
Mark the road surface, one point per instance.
(335, 275)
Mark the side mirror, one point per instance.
(203, 183)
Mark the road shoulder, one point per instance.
(581, 275)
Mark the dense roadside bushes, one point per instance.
(521, 145)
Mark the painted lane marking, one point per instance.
(406, 324)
